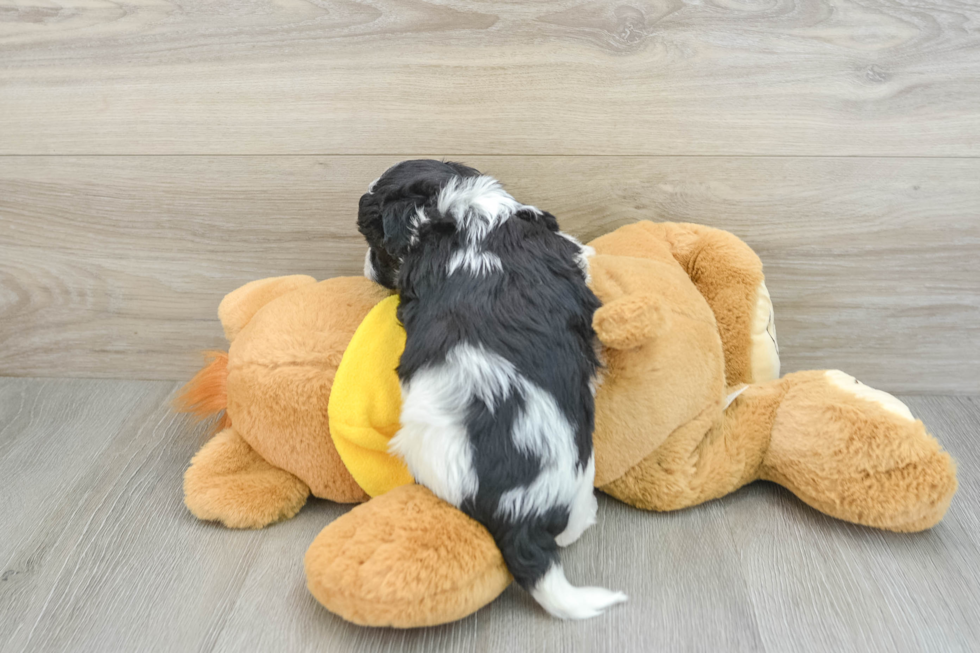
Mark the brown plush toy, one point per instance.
(690, 408)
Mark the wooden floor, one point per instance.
(97, 553)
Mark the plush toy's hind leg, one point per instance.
(238, 306)
(858, 454)
(712, 455)
(229, 482)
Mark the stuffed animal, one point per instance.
(690, 408)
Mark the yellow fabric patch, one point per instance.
(366, 401)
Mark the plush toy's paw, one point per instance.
(629, 321)
(405, 559)
(858, 454)
(229, 482)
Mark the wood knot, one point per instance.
(876, 74)
(631, 24)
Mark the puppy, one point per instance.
(498, 373)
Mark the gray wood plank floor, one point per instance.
(97, 553)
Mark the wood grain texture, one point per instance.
(98, 553)
(831, 77)
(114, 266)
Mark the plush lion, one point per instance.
(691, 408)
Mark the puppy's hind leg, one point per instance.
(584, 506)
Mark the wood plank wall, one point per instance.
(156, 155)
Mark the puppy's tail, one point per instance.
(207, 393)
(531, 554)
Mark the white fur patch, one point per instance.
(554, 593)
(474, 261)
(371, 186)
(584, 506)
(418, 219)
(477, 204)
(433, 439)
(582, 259)
(485, 374)
(542, 431)
(368, 268)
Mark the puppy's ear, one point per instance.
(463, 170)
(369, 219)
(535, 215)
(550, 221)
(399, 221)
(404, 199)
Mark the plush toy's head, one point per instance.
(396, 207)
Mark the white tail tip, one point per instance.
(557, 596)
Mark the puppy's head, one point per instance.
(393, 210)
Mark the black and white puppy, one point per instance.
(499, 365)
